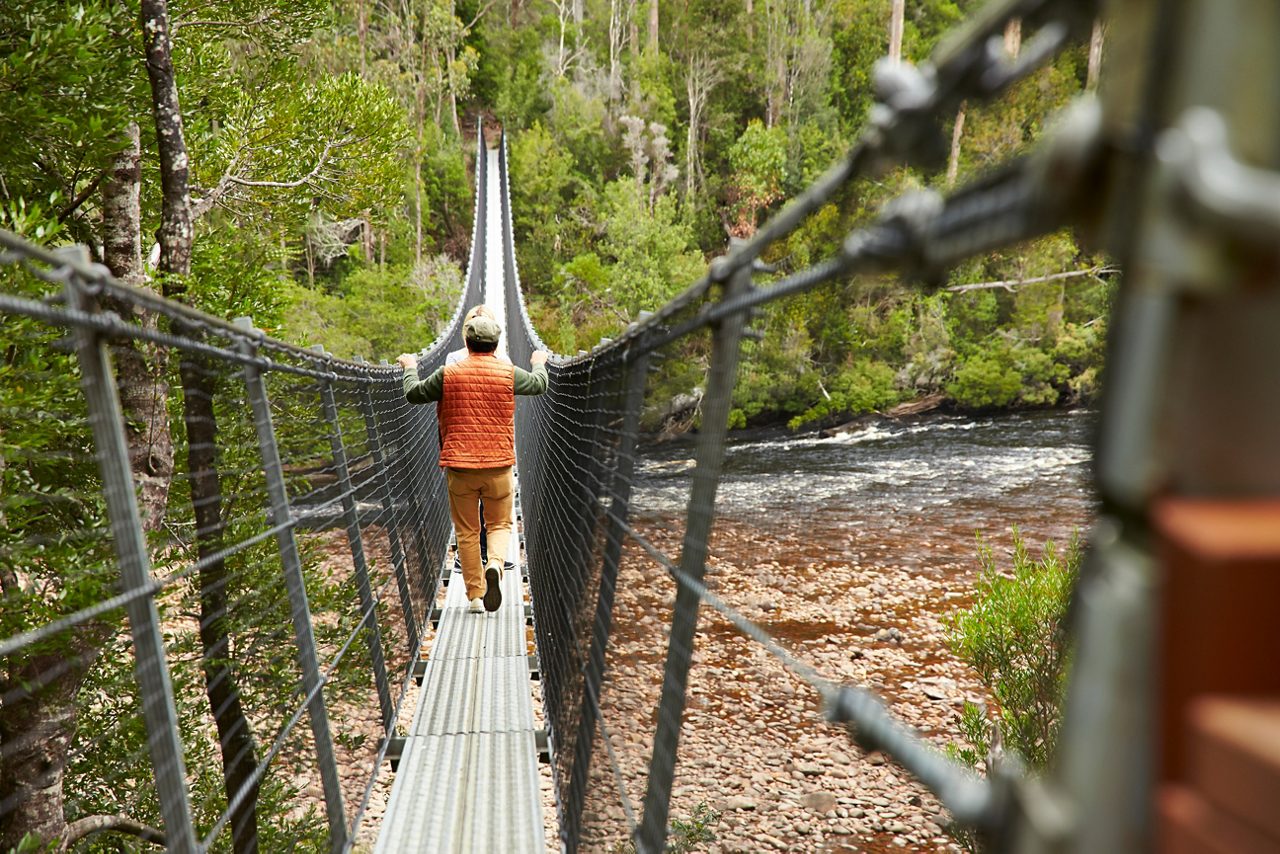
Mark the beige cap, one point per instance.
(481, 329)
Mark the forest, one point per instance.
(310, 165)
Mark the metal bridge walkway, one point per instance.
(468, 775)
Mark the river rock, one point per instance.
(819, 802)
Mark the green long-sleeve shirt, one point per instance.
(432, 388)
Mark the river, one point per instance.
(940, 478)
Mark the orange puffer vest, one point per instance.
(477, 413)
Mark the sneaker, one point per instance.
(457, 564)
(477, 606)
(508, 565)
(493, 593)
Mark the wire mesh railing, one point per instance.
(577, 444)
(211, 611)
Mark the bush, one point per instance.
(1013, 635)
(686, 836)
(865, 386)
(985, 380)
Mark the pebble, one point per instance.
(820, 802)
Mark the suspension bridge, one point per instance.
(307, 538)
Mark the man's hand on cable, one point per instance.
(539, 357)
(408, 361)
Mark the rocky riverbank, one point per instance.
(754, 746)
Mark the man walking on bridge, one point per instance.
(476, 409)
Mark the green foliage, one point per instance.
(1008, 372)
(649, 249)
(51, 503)
(859, 39)
(862, 387)
(985, 380)
(759, 160)
(655, 101)
(378, 312)
(544, 201)
(686, 835)
(509, 76)
(1014, 636)
(70, 80)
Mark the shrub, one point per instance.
(862, 387)
(686, 836)
(984, 380)
(1013, 635)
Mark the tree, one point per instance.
(649, 250)
(702, 75)
(68, 91)
(262, 129)
(758, 159)
(895, 30)
(1095, 55)
(797, 56)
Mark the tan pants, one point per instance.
(467, 487)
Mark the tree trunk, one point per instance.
(775, 65)
(1013, 37)
(616, 25)
(691, 142)
(122, 211)
(420, 102)
(176, 238)
(953, 161)
(896, 15)
(652, 45)
(562, 20)
(417, 208)
(751, 23)
(362, 32)
(703, 76)
(37, 724)
(175, 232)
(1095, 56)
(633, 29)
(235, 734)
(140, 366)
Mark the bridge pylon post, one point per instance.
(295, 584)
(726, 341)
(159, 710)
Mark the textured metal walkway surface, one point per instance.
(468, 777)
